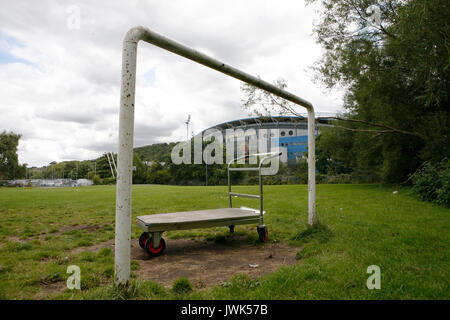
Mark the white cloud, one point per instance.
(62, 93)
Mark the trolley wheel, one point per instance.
(154, 252)
(263, 234)
(231, 228)
(143, 238)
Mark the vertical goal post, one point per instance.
(126, 132)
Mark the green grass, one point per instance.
(360, 225)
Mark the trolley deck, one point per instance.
(154, 225)
(198, 219)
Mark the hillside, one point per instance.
(155, 152)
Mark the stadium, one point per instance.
(287, 133)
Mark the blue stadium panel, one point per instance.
(296, 145)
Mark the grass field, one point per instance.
(362, 225)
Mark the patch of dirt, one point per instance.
(15, 239)
(207, 263)
(87, 228)
(95, 248)
(48, 290)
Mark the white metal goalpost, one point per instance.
(126, 131)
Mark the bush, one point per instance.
(432, 182)
(159, 177)
(303, 178)
(443, 194)
(321, 178)
(110, 180)
(340, 178)
(272, 180)
(96, 180)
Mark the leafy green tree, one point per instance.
(195, 174)
(83, 168)
(96, 180)
(395, 72)
(140, 174)
(394, 69)
(334, 154)
(432, 182)
(103, 169)
(161, 176)
(159, 152)
(9, 160)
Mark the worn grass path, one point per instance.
(42, 231)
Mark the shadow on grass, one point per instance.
(319, 231)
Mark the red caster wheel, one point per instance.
(154, 252)
(143, 238)
(263, 234)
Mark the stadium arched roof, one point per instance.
(270, 121)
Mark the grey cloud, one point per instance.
(101, 146)
(148, 134)
(69, 117)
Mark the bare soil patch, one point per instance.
(88, 228)
(96, 247)
(48, 290)
(14, 239)
(208, 263)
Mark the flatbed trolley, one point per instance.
(154, 225)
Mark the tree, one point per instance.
(395, 73)
(195, 174)
(9, 160)
(396, 76)
(157, 174)
(103, 170)
(140, 174)
(159, 152)
(83, 168)
(334, 154)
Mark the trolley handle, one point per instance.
(274, 154)
(269, 155)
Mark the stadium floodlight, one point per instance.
(126, 132)
(187, 127)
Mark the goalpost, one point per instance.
(126, 131)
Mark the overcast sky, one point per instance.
(60, 75)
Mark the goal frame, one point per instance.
(126, 133)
